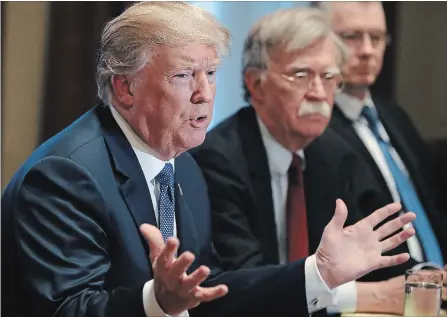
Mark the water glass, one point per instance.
(423, 293)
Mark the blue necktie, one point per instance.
(166, 205)
(407, 193)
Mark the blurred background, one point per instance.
(49, 50)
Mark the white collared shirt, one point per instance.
(317, 292)
(352, 108)
(279, 160)
(151, 166)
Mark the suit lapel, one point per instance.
(132, 184)
(186, 226)
(320, 188)
(345, 128)
(398, 139)
(259, 175)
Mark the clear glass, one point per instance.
(423, 293)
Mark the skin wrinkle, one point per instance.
(277, 101)
(174, 97)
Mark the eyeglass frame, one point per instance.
(376, 38)
(312, 75)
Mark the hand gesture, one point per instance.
(176, 291)
(346, 254)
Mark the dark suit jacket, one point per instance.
(414, 153)
(70, 233)
(439, 150)
(234, 161)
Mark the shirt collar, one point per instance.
(352, 106)
(278, 156)
(150, 164)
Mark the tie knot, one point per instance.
(370, 115)
(166, 176)
(295, 170)
(296, 163)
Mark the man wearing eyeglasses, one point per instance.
(273, 170)
(381, 131)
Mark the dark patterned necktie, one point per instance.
(166, 205)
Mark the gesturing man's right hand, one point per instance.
(346, 254)
(176, 291)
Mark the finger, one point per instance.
(154, 239)
(194, 279)
(397, 239)
(166, 256)
(206, 294)
(395, 224)
(340, 215)
(178, 269)
(393, 260)
(381, 214)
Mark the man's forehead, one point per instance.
(202, 60)
(358, 15)
(321, 55)
(193, 55)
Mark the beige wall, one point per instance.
(421, 68)
(22, 79)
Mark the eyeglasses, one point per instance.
(356, 39)
(303, 79)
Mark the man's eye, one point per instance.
(301, 74)
(211, 73)
(328, 76)
(350, 36)
(181, 76)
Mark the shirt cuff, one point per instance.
(318, 294)
(151, 307)
(346, 299)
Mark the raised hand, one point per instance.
(346, 254)
(176, 291)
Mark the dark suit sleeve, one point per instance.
(265, 291)
(60, 226)
(233, 238)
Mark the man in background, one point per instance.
(381, 132)
(273, 170)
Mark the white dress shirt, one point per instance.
(279, 160)
(352, 108)
(318, 293)
(151, 166)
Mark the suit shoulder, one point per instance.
(81, 138)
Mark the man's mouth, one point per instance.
(199, 121)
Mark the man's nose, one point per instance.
(203, 92)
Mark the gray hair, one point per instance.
(291, 29)
(128, 40)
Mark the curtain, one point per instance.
(74, 38)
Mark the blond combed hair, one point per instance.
(288, 29)
(128, 40)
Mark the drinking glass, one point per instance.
(422, 293)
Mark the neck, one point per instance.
(291, 141)
(359, 92)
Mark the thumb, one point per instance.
(154, 239)
(340, 215)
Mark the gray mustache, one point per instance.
(309, 108)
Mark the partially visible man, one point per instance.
(76, 215)
(273, 170)
(381, 131)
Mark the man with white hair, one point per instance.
(273, 170)
(90, 221)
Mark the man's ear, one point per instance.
(123, 90)
(253, 81)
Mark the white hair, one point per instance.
(289, 29)
(128, 40)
